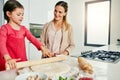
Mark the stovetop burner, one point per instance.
(102, 55)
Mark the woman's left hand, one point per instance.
(65, 52)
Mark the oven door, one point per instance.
(36, 29)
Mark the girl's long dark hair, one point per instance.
(10, 6)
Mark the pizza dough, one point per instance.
(52, 69)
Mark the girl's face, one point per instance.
(59, 13)
(16, 16)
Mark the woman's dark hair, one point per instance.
(10, 6)
(65, 6)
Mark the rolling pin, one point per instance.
(38, 62)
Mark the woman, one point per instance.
(57, 35)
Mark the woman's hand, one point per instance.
(65, 52)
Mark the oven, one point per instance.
(36, 29)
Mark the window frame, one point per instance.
(86, 43)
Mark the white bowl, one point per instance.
(26, 75)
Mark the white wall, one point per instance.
(1, 12)
(76, 18)
(76, 15)
(115, 21)
(41, 11)
(25, 21)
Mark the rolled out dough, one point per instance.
(52, 69)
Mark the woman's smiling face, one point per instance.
(59, 13)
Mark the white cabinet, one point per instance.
(37, 11)
(41, 11)
(34, 54)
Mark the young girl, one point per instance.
(12, 36)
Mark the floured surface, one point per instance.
(52, 69)
(66, 68)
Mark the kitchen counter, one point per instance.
(106, 71)
(8, 75)
(110, 71)
(102, 70)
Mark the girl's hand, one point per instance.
(45, 52)
(52, 55)
(11, 64)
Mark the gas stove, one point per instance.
(102, 55)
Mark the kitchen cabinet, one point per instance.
(34, 54)
(38, 11)
(41, 11)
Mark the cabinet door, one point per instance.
(37, 11)
(41, 11)
(34, 54)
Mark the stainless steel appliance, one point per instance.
(102, 55)
(36, 29)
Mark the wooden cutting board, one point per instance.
(38, 62)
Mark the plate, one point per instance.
(33, 74)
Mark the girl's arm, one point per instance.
(37, 43)
(33, 39)
(9, 62)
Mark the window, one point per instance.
(97, 23)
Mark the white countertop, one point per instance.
(109, 48)
(102, 70)
(106, 71)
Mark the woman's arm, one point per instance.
(71, 45)
(43, 35)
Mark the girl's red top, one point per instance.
(12, 42)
